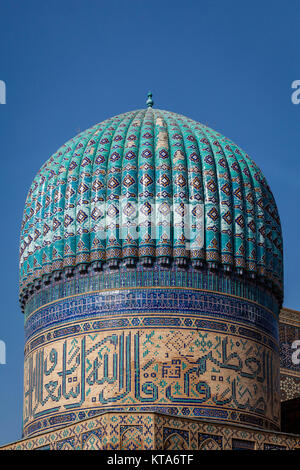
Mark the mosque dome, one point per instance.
(150, 159)
(150, 277)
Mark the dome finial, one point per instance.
(149, 101)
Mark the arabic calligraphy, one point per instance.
(147, 367)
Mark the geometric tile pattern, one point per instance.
(289, 331)
(71, 208)
(129, 307)
(148, 430)
(175, 442)
(289, 386)
(155, 277)
(209, 442)
(132, 438)
(176, 439)
(91, 440)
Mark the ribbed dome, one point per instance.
(150, 156)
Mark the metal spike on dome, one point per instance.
(149, 101)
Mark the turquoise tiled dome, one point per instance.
(148, 155)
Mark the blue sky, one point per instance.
(68, 64)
